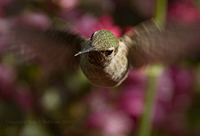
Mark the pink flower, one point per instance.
(2, 13)
(132, 102)
(135, 79)
(9, 91)
(183, 78)
(67, 4)
(106, 22)
(24, 99)
(5, 2)
(88, 24)
(98, 98)
(183, 12)
(165, 87)
(4, 35)
(160, 115)
(7, 78)
(34, 20)
(109, 122)
(131, 98)
(84, 25)
(176, 83)
(174, 98)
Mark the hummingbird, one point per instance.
(105, 59)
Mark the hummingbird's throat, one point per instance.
(96, 58)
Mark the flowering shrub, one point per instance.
(33, 102)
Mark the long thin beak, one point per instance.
(86, 51)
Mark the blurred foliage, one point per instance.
(34, 101)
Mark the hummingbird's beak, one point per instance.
(91, 48)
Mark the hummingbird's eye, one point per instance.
(107, 52)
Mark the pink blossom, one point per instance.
(128, 30)
(68, 4)
(7, 78)
(160, 115)
(165, 87)
(84, 25)
(35, 20)
(71, 16)
(174, 99)
(97, 118)
(9, 91)
(98, 98)
(135, 79)
(175, 82)
(88, 24)
(4, 35)
(106, 22)
(24, 99)
(131, 99)
(183, 12)
(2, 13)
(5, 2)
(132, 102)
(183, 79)
(109, 122)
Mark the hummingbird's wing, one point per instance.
(151, 44)
(52, 48)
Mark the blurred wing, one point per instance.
(52, 48)
(150, 44)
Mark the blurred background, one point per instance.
(66, 104)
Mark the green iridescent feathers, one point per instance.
(104, 39)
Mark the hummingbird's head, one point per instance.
(103, 45)
(104, 40)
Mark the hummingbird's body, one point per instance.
(104, 59)
(107, 72)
